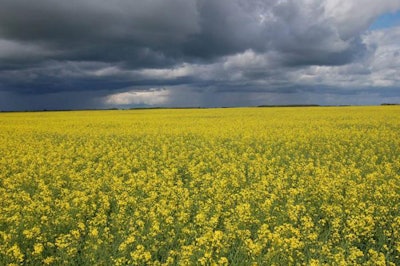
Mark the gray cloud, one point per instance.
(200, 47)
(156, 33)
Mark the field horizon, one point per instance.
(195, 107)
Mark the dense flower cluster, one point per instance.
(246, 186)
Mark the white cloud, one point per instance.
(353, 17)
(176, 72)
(379, 67)
(148, 97)
(247, 59)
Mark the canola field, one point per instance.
(244, 186)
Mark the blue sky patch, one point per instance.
(387, 20)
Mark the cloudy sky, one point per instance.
(128, 53)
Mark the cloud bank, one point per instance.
(95, 53)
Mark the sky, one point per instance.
(85, 54)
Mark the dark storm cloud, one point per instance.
(158, 33)
(137, 32)
(49, 46)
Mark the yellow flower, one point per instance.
(94, 232)
(37, 249)
(48, 260)
(273, 186)
(223, 261)
(16, 253)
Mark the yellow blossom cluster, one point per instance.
(243, 186)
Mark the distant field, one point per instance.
(245, 186)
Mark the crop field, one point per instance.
(243, 186)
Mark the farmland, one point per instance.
(243, 186)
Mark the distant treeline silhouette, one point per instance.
(290, 105)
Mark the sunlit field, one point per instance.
(245, 186)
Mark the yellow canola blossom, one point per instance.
(244, 186)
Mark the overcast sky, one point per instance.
(119, 53)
